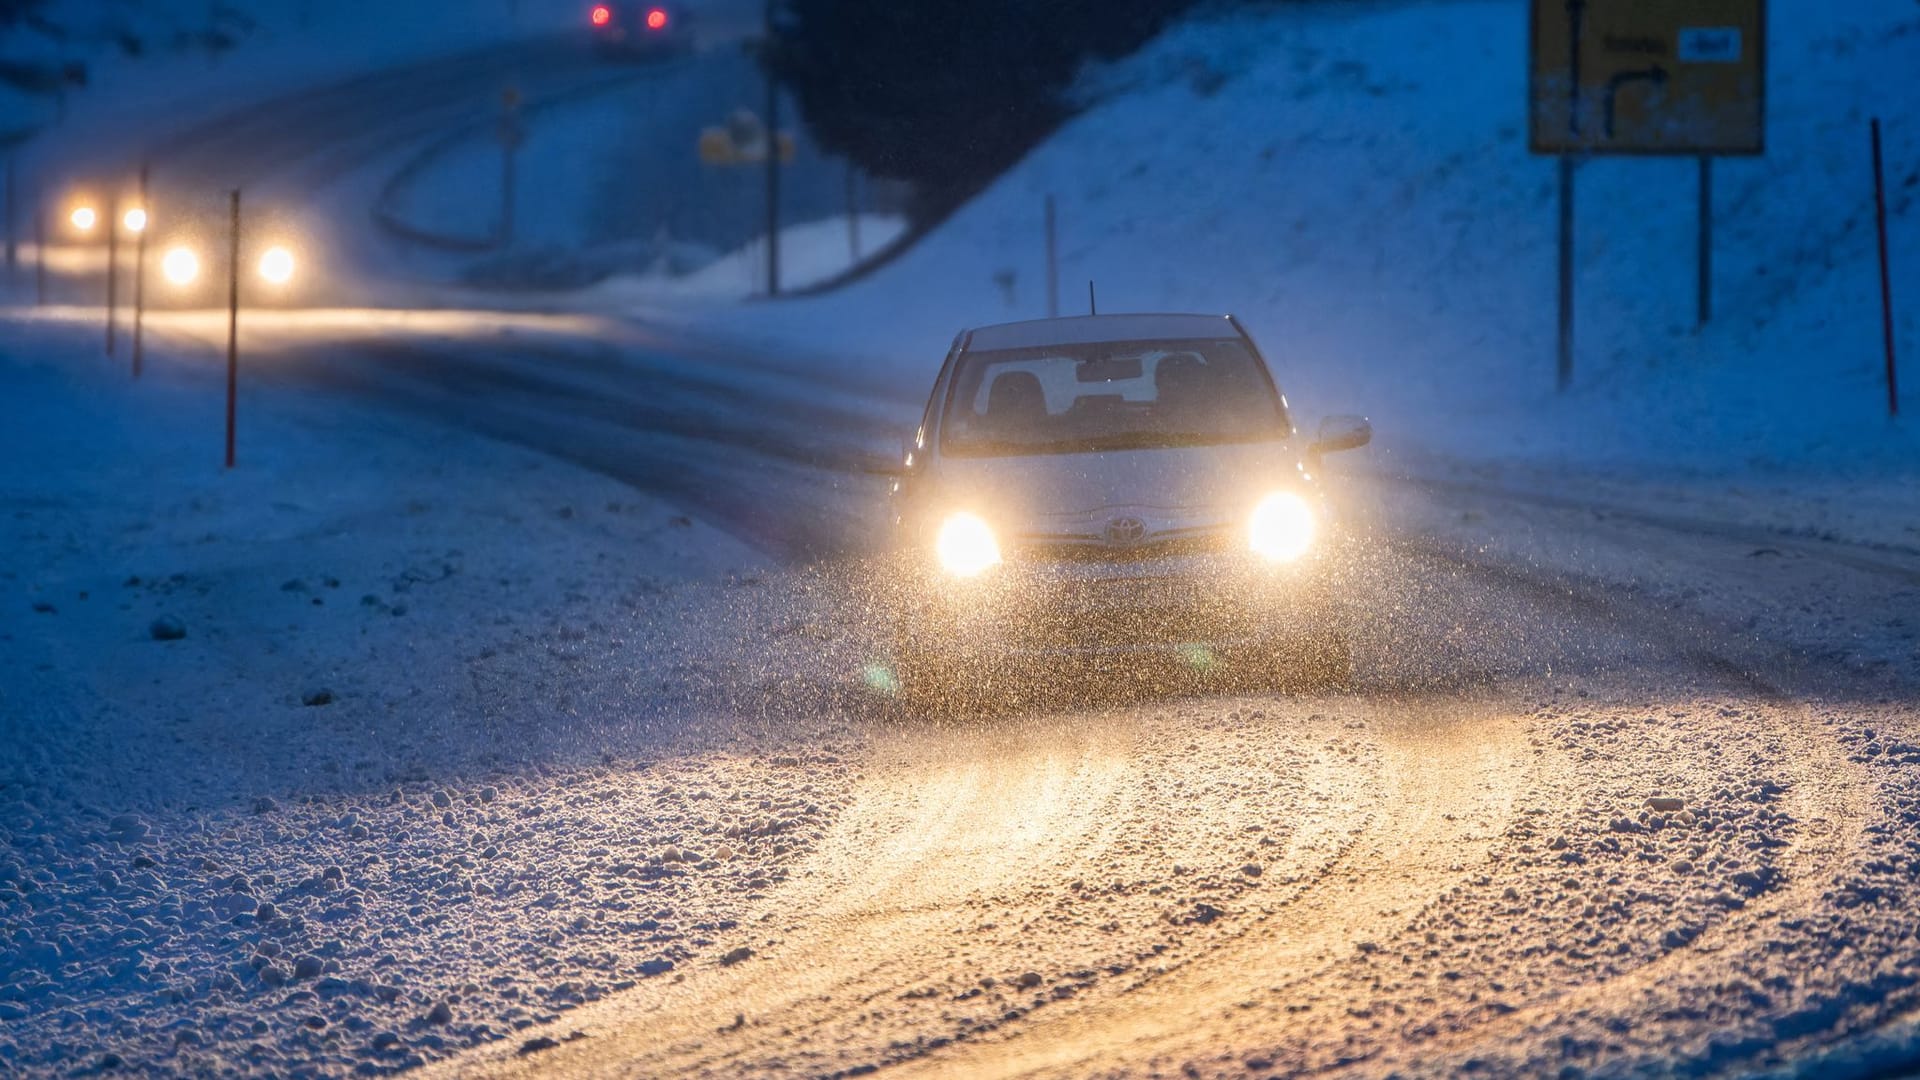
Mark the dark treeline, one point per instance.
(33, 34)
(946, 94)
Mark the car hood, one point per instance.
(1145, 495)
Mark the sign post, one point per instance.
(13, 244)
(140, 274)
(1704, 290)
(113, 267)
(512, 134)
(853, 214)
(745, 139)
(233, 320)
(773, 160)
(1886, 281)
(1053, 262)
(1563, 370)
(40, 258)
(1645, 77)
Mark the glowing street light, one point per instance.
(180, 266)
(134, 220)
(276, 265)
(84, 218)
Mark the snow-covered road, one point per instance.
(1621, 785)
(765, 446)
(1612, 796)
(512, 711)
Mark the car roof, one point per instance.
(1088, 329)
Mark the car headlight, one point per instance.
(276, 265)
(966, 546)
(1282, 527)
(180, 266)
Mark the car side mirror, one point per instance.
(1342, 433)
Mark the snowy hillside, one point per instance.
(1380, 226)
(157, 59)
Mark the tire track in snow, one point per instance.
(958, 830)
(1176, 1019)
(1448, 782)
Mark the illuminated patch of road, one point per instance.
(1447, 779)
(992, 873)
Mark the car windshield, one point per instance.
(1110, 396)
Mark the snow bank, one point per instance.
(810, 253)
(1353, 181)
(295, 753)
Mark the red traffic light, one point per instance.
(657, 19)
(602, 15)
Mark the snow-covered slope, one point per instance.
(1353, 181)
(159, 61)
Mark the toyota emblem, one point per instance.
(1126, 530)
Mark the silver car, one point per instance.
(1115, 488)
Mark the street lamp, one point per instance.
(84, 218)
(135, 220)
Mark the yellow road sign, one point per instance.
(1648, 77)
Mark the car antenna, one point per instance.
(1093, 306)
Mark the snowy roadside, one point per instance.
(1873, 508)
(297, 751)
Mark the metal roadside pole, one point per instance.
(1563, 369)
(1704, 288)
(1053, 262)
(773, 154)
(13, 241)
(40, 258)
(233, 320)
(1886, 278)
(853, 215)
(1681, 77)
(140, 271)
(113, 268)
(511, 134)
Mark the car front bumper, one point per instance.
(1187, 606)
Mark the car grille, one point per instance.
(1130, 612)
(1097, 551)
